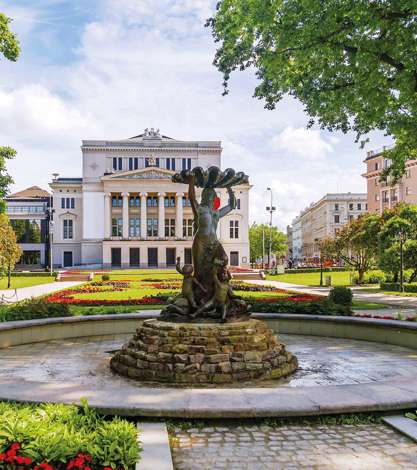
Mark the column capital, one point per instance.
(107, 194)
(161, 194)
(143, 194)
(179, 195)
(125, 194)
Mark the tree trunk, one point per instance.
(396, 277)
(9, 275)
(413, 276)
(361, 274)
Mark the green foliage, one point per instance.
(341, 295)
(9, 44)
(412, 415)
(279, 241)
(322, 307)
(105, 277)
(395, 287)
(6, 153)
(33, 309)
(334, 269)
(57, 433)
(371, 278)
(351, 63)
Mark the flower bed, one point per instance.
(59, 437)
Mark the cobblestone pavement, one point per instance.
(332, 447)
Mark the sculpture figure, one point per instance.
(206, 284)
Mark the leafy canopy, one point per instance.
(279, 241)
(352, 63)
(10, 251)
(6, 153)
(9, 44)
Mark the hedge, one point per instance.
(395, 287)
(315, 270)
(321, 307)
(34, 274)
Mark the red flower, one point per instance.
(2, 457)
(107, 468)
(15, 446)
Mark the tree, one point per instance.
(352, 63)
(279, 241)
(9, 44)
(10, 48)
(356, 244)
(6, 153)
(10, 251)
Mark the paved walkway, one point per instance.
(374, 297)
(35, 291)
(331, 447)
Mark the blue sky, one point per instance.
(110, 68)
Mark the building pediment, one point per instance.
(150, 173)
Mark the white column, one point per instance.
(178, 216)
(143, 215)
(107, 215)
(125, 214)
(161, 215)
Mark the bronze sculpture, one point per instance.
(206, 291)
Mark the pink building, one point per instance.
(383, 195)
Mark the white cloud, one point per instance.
(302, 142)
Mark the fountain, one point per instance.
(205, 335)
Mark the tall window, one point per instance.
(134, 227)
(187, 228)
(186, 202)
(336, 207)
(169, 201)
(68, 229)
(117, 227)
(170, 227)
(238, 204)
(351, 206)
(170, 163)
(336, 219)
(152, 201)
(234, 229)
(152, 227)
(133, 163)
(116, 200)
(376, 166)
(117, 163)
(385, 196)
(67, 203)
(186, 163)
(134, 201)
(359, 207)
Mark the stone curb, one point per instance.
(146, 314)
(404, 425)
(156, 454)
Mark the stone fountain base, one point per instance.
(204, 353)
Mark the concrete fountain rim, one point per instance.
(210, 402)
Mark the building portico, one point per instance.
(132, 214)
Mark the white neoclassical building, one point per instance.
(126, 212)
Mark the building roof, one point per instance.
(68, 180)
(151, 139)
(34, 192)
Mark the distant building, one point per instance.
(28, 211)
(126, 212)
(323, 219)
(382, 195)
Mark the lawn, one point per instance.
(26, 281)
(376, 290)
(338, 278)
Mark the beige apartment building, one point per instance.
(383, 195)
(323, 219)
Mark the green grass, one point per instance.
(338, 278)
(359, 305)
(79, 310)
(22, 281)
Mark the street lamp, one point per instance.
(317, 241)
(271, 209)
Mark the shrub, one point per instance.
(315, 270)
(33, 274)
(395, 287)
(318, 307)
(60, 436)
(341, 295)
(34, 309)
(105, 277)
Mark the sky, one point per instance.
(108, 69)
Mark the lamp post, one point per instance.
(271, 209)
(263, 246)
(321, 261)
